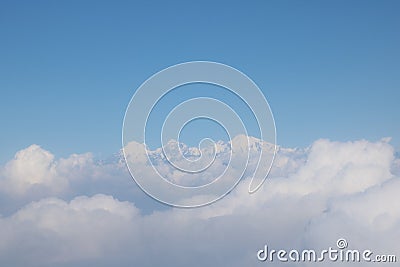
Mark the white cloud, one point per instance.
(313, 197)
(31, 167)
(35, 173)
(52, 231)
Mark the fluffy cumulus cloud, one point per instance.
(81, 212)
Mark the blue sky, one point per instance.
(68, 69)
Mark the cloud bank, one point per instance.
(81, 212)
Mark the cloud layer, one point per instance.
(81, 212)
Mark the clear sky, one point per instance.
(329, 69)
